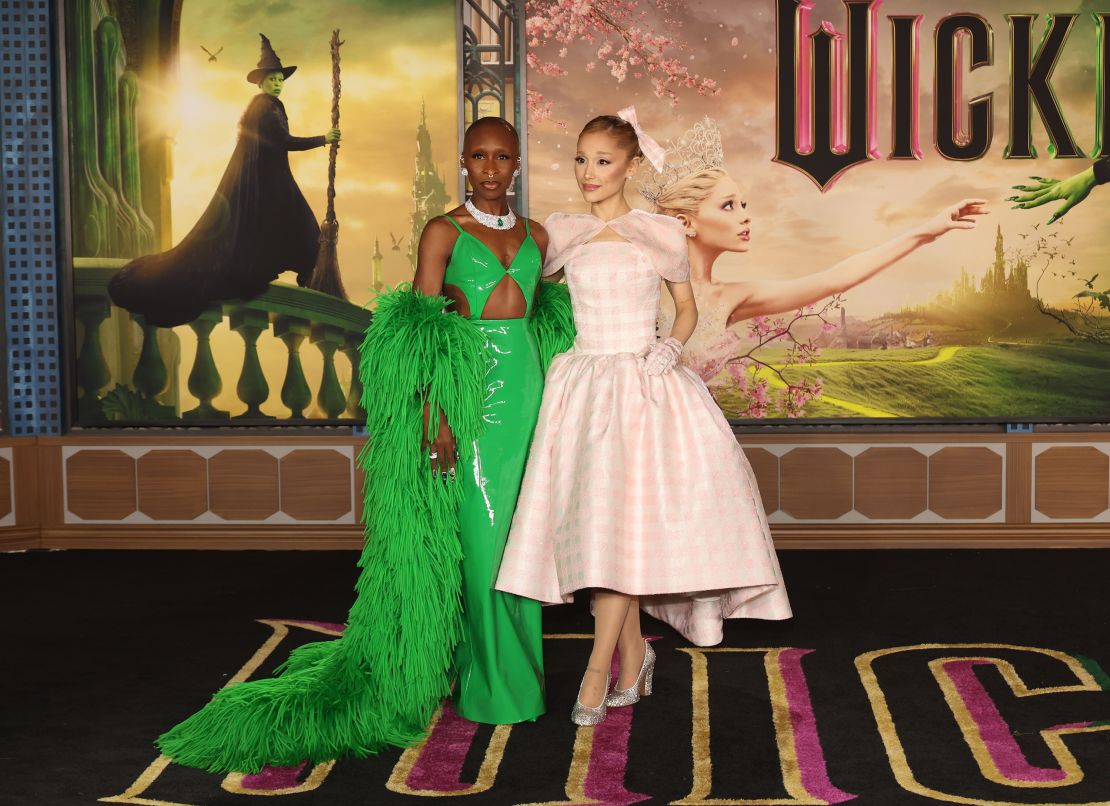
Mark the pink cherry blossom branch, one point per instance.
(627, 45)
(755, 390)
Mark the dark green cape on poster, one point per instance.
(379, 684)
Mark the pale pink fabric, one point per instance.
(660, 239)
(635, 483)
(652, 151)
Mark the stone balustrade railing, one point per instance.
(290, 313)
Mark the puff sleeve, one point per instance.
(564, 233)
(661, 239)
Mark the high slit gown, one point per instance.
(499, 660)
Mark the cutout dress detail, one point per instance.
(499, 660)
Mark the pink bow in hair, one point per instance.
(653, 152)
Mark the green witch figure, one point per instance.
(257, 225)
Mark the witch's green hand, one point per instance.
(1071, 191)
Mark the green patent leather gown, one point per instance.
(499, 661)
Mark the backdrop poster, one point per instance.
(847, 128)
(158, 95)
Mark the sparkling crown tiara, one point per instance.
(696, 150)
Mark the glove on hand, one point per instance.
(660, 358)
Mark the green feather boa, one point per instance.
(552, 321)
(379, 685)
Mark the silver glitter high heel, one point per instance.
(587, 714)
(641, 688)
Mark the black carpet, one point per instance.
(102, 651)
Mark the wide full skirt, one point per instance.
(636, 483)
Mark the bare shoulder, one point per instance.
(438, 232)
(539, 235)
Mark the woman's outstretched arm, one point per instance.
(764, 297)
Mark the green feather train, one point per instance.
(379, 684)
(552, 321)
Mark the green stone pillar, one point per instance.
(252, 387)
(354, 396)
(130, 160)
(330, 398)
(109, 65)
(150, 376)
(89, 190)
(92, 370)
(295, 393)
(204, 379)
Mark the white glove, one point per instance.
(660, 358)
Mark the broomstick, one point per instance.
(325, 276)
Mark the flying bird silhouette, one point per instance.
(212, 56)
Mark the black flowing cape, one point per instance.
(257, 225)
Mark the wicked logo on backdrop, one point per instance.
(842, 268)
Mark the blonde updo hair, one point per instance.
(686, 195)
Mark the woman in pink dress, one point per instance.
(635, 487)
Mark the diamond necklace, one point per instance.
(507, 221)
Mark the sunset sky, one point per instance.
(396, 55)
(796, 229)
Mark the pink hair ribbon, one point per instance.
(653, 152)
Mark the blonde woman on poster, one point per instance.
(695, 188)
(635, 486)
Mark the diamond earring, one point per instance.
(463, 171)
(516, 173)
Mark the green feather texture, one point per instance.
(379, 684)
(552, 321)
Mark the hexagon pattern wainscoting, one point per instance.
(1071, 482)
(843, 482)
(860, 483)
(209, 484)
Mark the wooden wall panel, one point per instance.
(965, 482)
(100, 485)
(316, 485)
(288, 491)
(815, 483)
(1019, 482)
(891, 483)
(1072, 482)
(7, 504)
(244, 485)
(173, 485)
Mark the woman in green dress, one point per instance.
(487, 262)
(452, 373)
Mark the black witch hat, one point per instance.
(268, 63)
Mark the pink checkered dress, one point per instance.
(636, 483)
